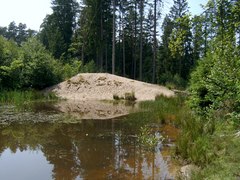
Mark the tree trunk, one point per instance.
(101, 32)
(135, 49)
(124, 58)
(123, 46)
(141, 40)
(113, 38)
(106, 58)
(82, 55)
(154, 43)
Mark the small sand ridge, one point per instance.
(102, 86)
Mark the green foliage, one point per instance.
(176, 56)
(172, 81)
(57, 28)
(207, 137)
(18, 34)
(90, 67)
(194, 143)
(165, 109)
(226, 148)
(214, 85)
(38, 65)
(9, 51)
(20, 98)
(30, 66)
(10, 76)
(75, 67)
(180, 46)
(148, 139)
(199, 37)
(72, 69)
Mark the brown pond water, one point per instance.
(46, 143)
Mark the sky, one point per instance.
(29, 12)
(32, 12)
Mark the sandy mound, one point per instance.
(102, 86)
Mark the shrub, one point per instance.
(38, 65)
(130, 96)
(116, 97)
(214, 85)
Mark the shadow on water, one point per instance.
(87, 149)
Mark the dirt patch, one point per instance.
(102, 86)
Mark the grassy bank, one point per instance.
(163, 110)
(209, 143)
(224, 149)
(21, 97)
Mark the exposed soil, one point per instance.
(103, 86)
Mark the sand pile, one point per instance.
(103, 86)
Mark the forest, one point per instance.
(127, 38)
(133, 39)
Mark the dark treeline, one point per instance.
(120, 37)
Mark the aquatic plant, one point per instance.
(149, 139)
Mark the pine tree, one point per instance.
(180, 39)
(113, 37)
(198, 37)
(141, 39)
(57, 28)
(156, 15)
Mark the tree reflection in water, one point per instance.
(90, 149)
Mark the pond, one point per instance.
(55, 141)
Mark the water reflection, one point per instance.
(23, 164)
(90, 149)
(95, 109)
(65, 111)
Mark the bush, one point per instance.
(38, 65)
(214, 85)
(76, 66)
(130, 96)
(116, 97)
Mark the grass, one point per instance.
(209, 143)
(226, 149)
(154, 114)
(22, 97)
(165, 109)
